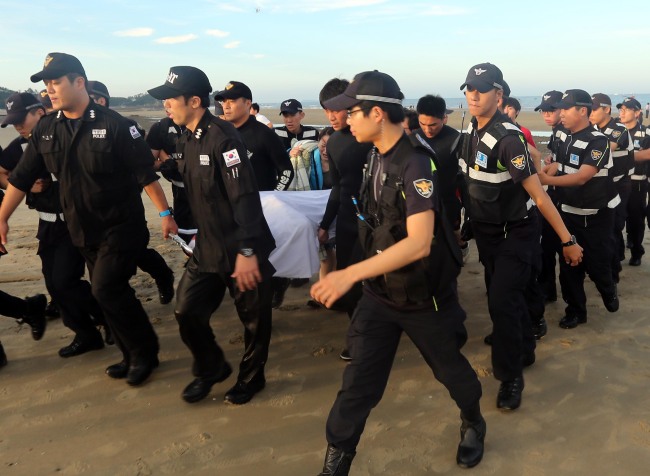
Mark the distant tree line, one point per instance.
(142, 100)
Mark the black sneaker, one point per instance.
(166, 288)
(569, 322)
(611, 302)
(52, 311)
(540, 328)
(509, 397)
(345, 355)
(470, 448)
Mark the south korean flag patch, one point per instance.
(424, 187)
(231, 158)
(134, 132)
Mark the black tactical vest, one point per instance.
(382, 223)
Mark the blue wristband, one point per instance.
(166, 213)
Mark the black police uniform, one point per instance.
(495, 160)
(221, 187)
(63, 266)
(101, 163)
(637, 203)
(286, 136)
(347, 158)
(163, 136)
(444, 145)
(419, 299)
(588, 213)
(621, 171)
(267, 155)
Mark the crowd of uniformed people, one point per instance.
(408, 194)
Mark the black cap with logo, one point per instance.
(574, 97)
(290, 106)
(234, 90)
(57, 65)
(600, 100)
(630, 103)
(18, 105)
(549, 100)
(183, 80)
(98, 88)
(484, 77)
(367, 86)
(45, 99)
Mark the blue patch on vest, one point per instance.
(481, 159)
(574, 159)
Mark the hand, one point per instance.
(550, 169)
(323, 236)
(329, 289)
(548, 159)
(572, 254)
(169, 226)
(247, 272)
(40, 185)
(295, 152)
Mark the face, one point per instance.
(64, 94)
(365, 128)
(237, 110)
(338, 119)
(551, 118)
(482, 104)
(25, 127)
(430, 125)
(322, 147)
(292, 121)
(178, 110)
(511, 112)
(628, 116)
(599, 115)
(573, 118)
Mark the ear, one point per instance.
(499, 93)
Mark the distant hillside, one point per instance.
(142, 100)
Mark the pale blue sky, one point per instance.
(291, 48)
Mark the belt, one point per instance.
(50, 217)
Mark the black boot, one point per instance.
(337, 462)
(35, 315)
(470, 448)
(3, 356)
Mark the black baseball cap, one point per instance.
(291, 106)
(630, 103)
(600, 100)
(574, 97)
(98, 89)
(57, 65)
(549, 100)
(234, 90)
(367, 86)
(484, 77)
(506, 89)
(18, 105)
(183, 80)
(45, 99)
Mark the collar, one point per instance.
(89, 114)
(498, 117)
(202, 127)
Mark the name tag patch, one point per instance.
(574, 159)
(134, 132)
(231, 158)
(204, 159)
(481, 159)
(99, 133)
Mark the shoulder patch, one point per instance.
(231, 158)
(616, 134)
(596, 154)
(424, 187)
(134, 132)
(519, 162)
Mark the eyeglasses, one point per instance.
(350, 113)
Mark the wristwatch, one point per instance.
(166, 213)
(572, 241)
(247, 252)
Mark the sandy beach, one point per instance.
(585, 410)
